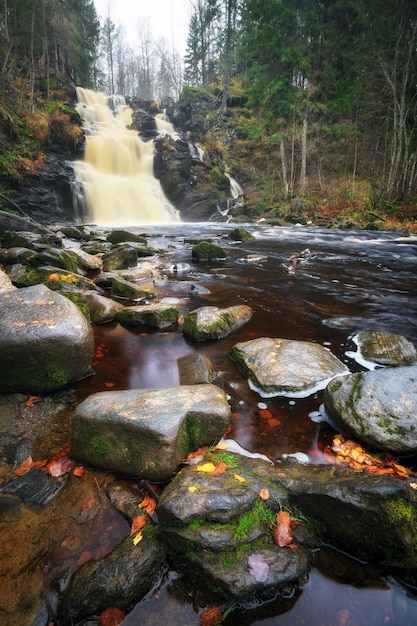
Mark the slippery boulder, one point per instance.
(377, 407)
(101, 309)
(45, 342)
(282, 367)
(211, 322)
(147, 432)
(216, 525)
(120, 580)
(208, 252)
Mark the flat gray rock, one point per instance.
(282, 367)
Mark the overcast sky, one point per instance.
(167, 18)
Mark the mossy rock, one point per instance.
(208, 251)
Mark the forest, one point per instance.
(311, 99)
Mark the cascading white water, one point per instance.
(115, 181)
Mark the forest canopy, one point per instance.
(329, 85)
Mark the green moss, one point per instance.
(355, 395)
(207, 251)
(193, 432)
(335, 386)
(258, 515)
(100, 445)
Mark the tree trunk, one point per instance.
(303, 172)
(284, 166)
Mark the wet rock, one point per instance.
(241, 234)
(86, 260)
(101, 309)
(206, 251)
(195, 369)
(17, 254)
(125, 497)
(45, 342)
(147, 432)
(119, 258)
(373, 518)
(378, 407)
(9, 221)
(5, 282)
(282, 367)
(35, 487)
(156, 315)
(211, 322)
(55, 257)
(127, 290)
(216, 526)
(121, 580)
(383, 349)
(120, 236)
(53, 277)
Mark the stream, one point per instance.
(342, 282)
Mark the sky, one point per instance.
(167, 18)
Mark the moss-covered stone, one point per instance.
(206, 251)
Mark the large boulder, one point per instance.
(378, 408)
(45, 342)
(376, 348)
(282, 367)
(147, 432)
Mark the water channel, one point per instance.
(343, 282)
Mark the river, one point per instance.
(303, 283)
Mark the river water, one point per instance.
(303, 283)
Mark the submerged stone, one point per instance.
(156, 315)
(147, 432)
(211, 322)
(378, 408)
(282, 367)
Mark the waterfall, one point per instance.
(115, 184)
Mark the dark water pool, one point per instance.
(305, 284)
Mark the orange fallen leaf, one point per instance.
(30, 401)
(281, 533)
(219, 468)
(265, 414)
(148, 504)
(264, 494)
(79, 471)
(109, 385)
(199, 452)
(111, 617)
(138, 523)
(25, 466)
(211, 615)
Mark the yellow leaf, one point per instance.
(241, 479)
(137, 538)
(206, 467)
(192, 489)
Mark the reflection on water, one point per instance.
(348, 282)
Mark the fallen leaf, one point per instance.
(109, 385)
(25, 466)
(219, 468)
(31, 400)
(264, 494)
(265, 414)
(192, 489)
(111, 617)
(258, 567)
(281, 533)
(239, 478)
(196, 453)
(148, 504)
(211, 615)
(137, 538)
(60, 467)
(206, 467)
(84, 557)
(138, 523)
(79, 471)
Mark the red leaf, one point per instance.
(31, 400)
(281, 533)
(79, 471)
(211, 615)
(111, 617)
(138, 522)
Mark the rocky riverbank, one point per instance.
(238, 525)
